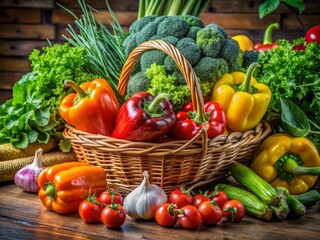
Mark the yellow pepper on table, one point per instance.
(244, 100)
(286, 161)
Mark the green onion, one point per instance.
(104, 49)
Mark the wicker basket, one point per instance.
(169, 164)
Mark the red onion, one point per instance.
(26, 177)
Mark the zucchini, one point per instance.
(308, 198)
(254, 205)
(248, 178)
(296, 206)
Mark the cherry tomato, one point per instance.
(234, 210)
(113, 216)
(211, 213)
(106, 197)
(90, 210)
(181, 197)
(220, 198)
(190, 217)
(166, 215)
(199, 198)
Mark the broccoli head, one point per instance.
(192, 21)
(250, 56)
(152, 56)
(211, 69)
(146, 33)
(192, 33)
(210, 41)
(139, 24)
(173, 26)
(189, 49)
(138, 83)
(231, 52)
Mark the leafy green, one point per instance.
(269, 6)
(293, 119)
(32, 114)
(161, 82)
(294, 75)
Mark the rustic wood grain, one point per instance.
(20, 47)
(14, 64)
(8, 15)
(22, 216)
(26, 31)
(41, 4)
(8, 79)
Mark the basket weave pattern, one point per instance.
(169, 164)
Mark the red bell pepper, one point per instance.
(267, 39)
(313, 35)
(92, 109)
(144, 117)
(189, 123)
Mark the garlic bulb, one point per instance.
(26, 177)
(143, 201)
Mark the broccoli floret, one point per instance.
(237, 64)
(218, 28)
(250, 56)
(137, 25)
(173, 26)
(171, 40)
(192, 21)
(206, 88)
(130, 44)
(138, 83)
(146, 33)
(152, 56)
(211, 69)
(230, 50)
(180, 80)
(192, 33)
(210, 41)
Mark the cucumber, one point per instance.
(254, 205)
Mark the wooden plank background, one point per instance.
(27, 24)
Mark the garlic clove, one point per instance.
(26, 177)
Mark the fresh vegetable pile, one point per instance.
(241, 83)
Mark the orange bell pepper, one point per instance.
(64, 186)
(92, 109)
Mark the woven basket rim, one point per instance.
(220, 142)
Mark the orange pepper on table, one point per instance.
(64, 186)
(92, 109)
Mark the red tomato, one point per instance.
(90, 210)
(181, 197)
(211, 213)
(234, 210)
(113, 216)
(199, 198)
(106, 197)
(220, 198)
(190, 217)
(166, 215)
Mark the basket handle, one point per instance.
(182, 63)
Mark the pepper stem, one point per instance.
(81, 93)
(291, 166)
(245, 86)
(152, 108)
(51, 190)
(267, 37)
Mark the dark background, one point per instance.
(25, 25)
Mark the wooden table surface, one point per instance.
(22, 216)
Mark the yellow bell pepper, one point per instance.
(245, 43)
(286, 161)
(243, 99)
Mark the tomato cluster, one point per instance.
(107, 208)
(204, 208)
